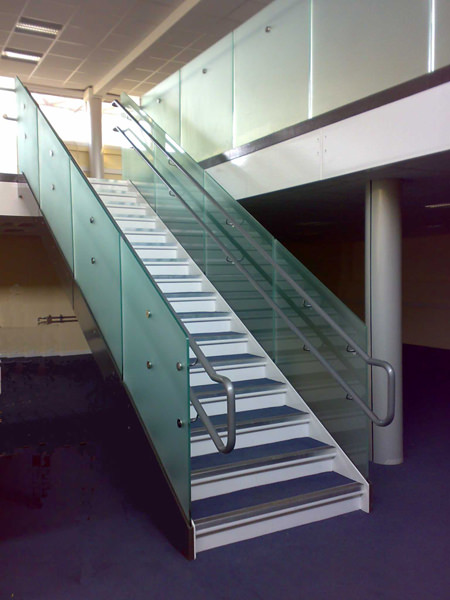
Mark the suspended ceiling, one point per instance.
(115, 45)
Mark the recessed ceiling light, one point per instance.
(443, 205)
(35, 27)
(23, 55)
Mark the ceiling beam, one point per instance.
(101, 87)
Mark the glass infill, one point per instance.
(219, 234)
(118, 290)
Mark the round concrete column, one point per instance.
(94, 104)
(384, 310)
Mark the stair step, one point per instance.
(149, 250)
(264, 509)
(238, 505)
(249, 418)
(215, 474)
(167, 266)
(221, 343)
(235, 366)
(187, 301)
(202, 321)
(176, 283)
(250, 394)
(133, 224)
(255, 456)
(230, 360)
(253, 427)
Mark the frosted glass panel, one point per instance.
(163, 104)
(442, 36)
(27, 138)
(160, 393)
(207, 102)
(363, 46)
(97, 262)
(271, 70)
(54, 181)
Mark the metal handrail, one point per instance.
(390, 411)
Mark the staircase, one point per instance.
(177, 310)
(286, 470)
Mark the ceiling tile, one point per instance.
(70, 49)
(92, 17)
(3, 37)
(33, 43)
(12, 6)
(145, 61)
(44, 71)
(52, 61)
(219, 8)
(48, 10)
(119, 42)
(160, 50)
(7, 20)
(79, 35)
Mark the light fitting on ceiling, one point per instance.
(35, 27)
(23, 55)
(443, 205)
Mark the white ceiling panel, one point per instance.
(111, 43)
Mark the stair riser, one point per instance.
(168, 269)
(140, 226)
(221, 348)
(254, 437)
(113, 203)
(241, 480)
(207, 305)
(180, 286)
(152, 238)
(110, 190)
(213, 326)
(235, 374)
(148, 253)
(214, 406)
(275, 521)
(128, 212)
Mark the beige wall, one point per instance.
(425, 274)
(112, 157)
(30, 288)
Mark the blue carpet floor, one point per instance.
(73, 523)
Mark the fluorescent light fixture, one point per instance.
(443, 205)
(23, 55)
(35, 27)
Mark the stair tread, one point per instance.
(219, 335)
(248, 386)
(203, 314)
(231, 359)
(247, 418)
(164, 278)
(253, 455)
(298, 490)
(189, 295)
(163, 245)
(150, 261)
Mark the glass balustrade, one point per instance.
(119, 292)
(238, 255)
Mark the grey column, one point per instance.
(94, 104)
(384, 310)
